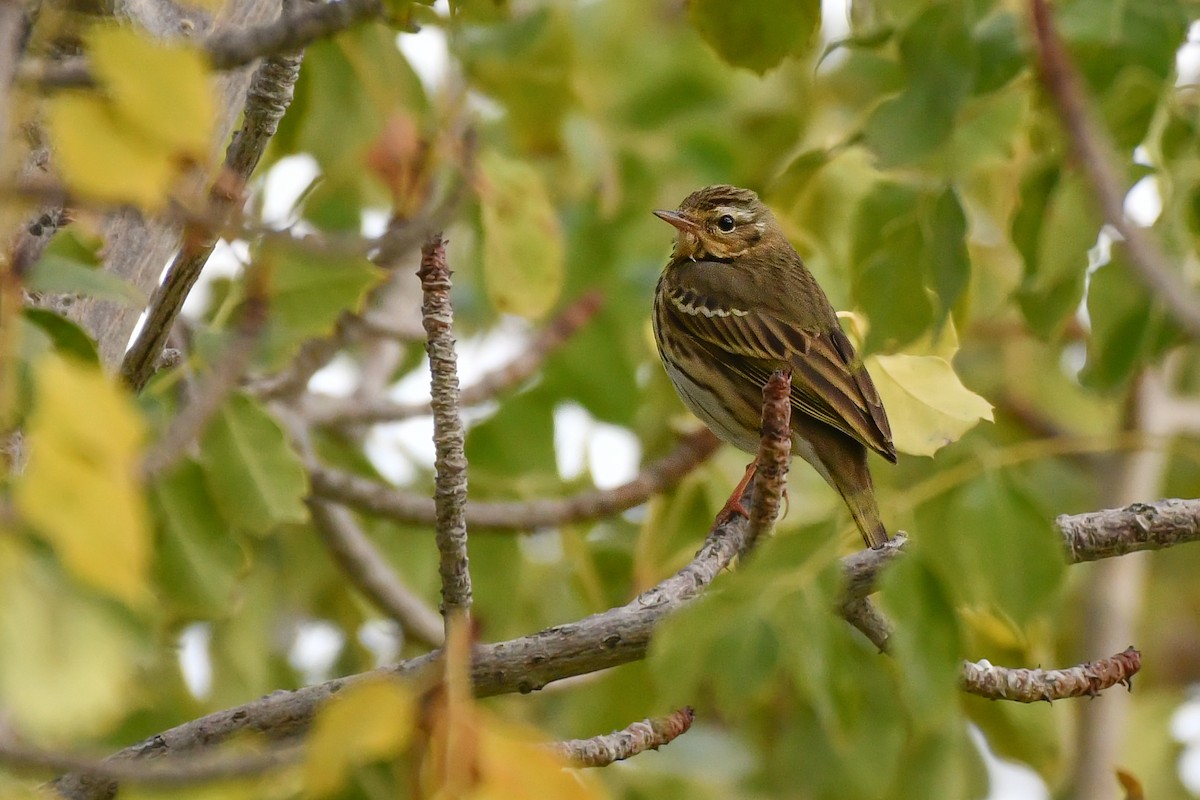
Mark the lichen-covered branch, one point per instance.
(411, 508)
(1096, 156)
(449, 436)
(343, 411)
(648, 734)
(1035, 685)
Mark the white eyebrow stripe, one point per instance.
(692, 309)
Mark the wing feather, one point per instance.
(828, 381)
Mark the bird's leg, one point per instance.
(733, 506)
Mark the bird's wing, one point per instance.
(828, 382)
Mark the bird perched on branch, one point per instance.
(734, 304)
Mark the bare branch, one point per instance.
(411, 508)
(1140, 526)
(1095, 154)
(369, 572)
(774, 454)
(268, 97)
(869, 620)
(603, 640)
(608, 639)
(95, 774)
(1086, 537)
(450, 487)
(338, 411)
(649, 734)
(1034, 685)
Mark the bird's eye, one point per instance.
(725, 223)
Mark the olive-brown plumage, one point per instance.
(734, 304)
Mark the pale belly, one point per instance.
(701, 402)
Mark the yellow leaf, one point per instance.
(523, 247)
(81, 490)
(926, 403)
(100, 156)
(162, 89)
(513, 766)
(68, 663)
(368, 721)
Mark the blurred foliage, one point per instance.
(917, 167)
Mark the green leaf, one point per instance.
(81, 489)
(1001, 53)
(757, 35)
(54, 274)
(256, 479)
(528, 64)
(199, 557)
(308, 292)
(993, 545)
(946, 258)
(523, 250)
(939, 60)
(1128, 327)
(1054, 229)
(927, 641)
(515, 447)
(349, 87)
(67, 338)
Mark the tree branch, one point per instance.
(1086, 537)
(649, 734)
(450, 486)
(1034, 685)
(98, 772)
(408, 507)
(369, 572)
(268, 97)
(232, 49)
(1095, 154)
(343, 411)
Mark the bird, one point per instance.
(733, 305)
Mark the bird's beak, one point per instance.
(676, 219)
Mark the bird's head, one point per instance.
(719, 223)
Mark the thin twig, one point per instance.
(1095, 154)
(229, 50)
(649, 734)
(367, 569)
(450, 485)
(211, 393)
(352, 411)
(411, 508)
(775, 451)
(1035, 685)
(268, 97)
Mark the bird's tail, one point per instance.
(865, 511)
